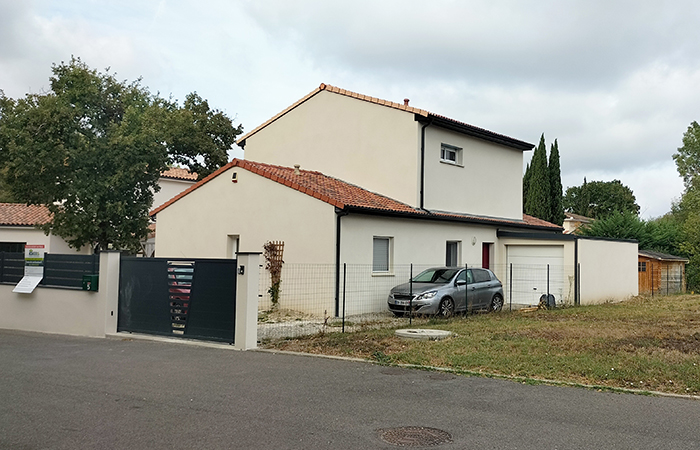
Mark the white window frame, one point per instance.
(388, 258)
(446, 150)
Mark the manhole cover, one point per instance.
(423, 334)
(414, 436)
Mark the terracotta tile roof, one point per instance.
(349, 196)
(19, 214)
(179, 174)
(440, 120)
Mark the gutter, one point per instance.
(338, 214)
(422, 161)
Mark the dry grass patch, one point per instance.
(643, 343)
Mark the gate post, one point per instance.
(247, 287)
(108, 288)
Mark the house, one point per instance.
(344, 178)
(18, 227)
(172, 182)
(660, 273)
(573, 222)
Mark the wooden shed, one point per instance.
(660, 273)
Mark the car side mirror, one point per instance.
(461, 282)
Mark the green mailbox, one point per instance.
(90, 282)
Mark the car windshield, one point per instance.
(435, 276)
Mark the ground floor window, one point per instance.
(642, 266)
(381, 254)
(452, 254)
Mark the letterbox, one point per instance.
(90, 282)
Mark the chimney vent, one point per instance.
(405, 102)
(296, 169)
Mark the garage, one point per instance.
(536, 269)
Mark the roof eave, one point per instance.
(476, 132)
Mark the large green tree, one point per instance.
(599, 199)
(92, 148)
(688, 156)
(556, 196)
(538, 201)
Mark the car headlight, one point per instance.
(427, 295)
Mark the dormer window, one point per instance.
(450, 154)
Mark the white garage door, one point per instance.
(530, 279)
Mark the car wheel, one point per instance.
(446, 308)
(496, 303)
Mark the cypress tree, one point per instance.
(539, 191)
(555, 185)
(526, 184)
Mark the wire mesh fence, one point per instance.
(317, 298)
(657, 278)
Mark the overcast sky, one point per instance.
(616, 82)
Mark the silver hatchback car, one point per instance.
(443, 291)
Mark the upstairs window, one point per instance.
(450, 154)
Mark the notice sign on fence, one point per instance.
(33, 269)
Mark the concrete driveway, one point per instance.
(61, 392)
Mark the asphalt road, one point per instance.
(59, 392)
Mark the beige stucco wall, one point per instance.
(608, 270)
(30, 235)
(169, 188)
(372, 146)
(256, 210)
(65, 311)
(488, 182)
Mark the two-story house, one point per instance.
(345, 178)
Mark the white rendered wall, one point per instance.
(256, 210)
(373, 146)
(487, 183)
(169, 188)
(608, 270)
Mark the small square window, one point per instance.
(450, 154)
(642, 266)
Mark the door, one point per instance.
(486, 255)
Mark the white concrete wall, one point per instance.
(169, 188)
(608, 270)
(487, 183)
(372, 146)
(256, 210)
(31, 235)
(65, 311)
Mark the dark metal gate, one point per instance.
(190, 298)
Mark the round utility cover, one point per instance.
(423, 334)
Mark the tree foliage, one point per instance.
(557, 207)
(599, 199)
(538, 201)
(688, 157)
(92, 149)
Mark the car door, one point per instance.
(481, 288)
(460, 290)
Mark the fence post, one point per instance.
(667, 266)
(466, 290)
(410, 295)
(108, 287)
(345, 278)
(548, 285)
(510, 285)
(652, 279)
(578, 285)
(247, 286)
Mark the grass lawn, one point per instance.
(643, 343)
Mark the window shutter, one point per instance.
(380, 256)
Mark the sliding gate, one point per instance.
(189, 298)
